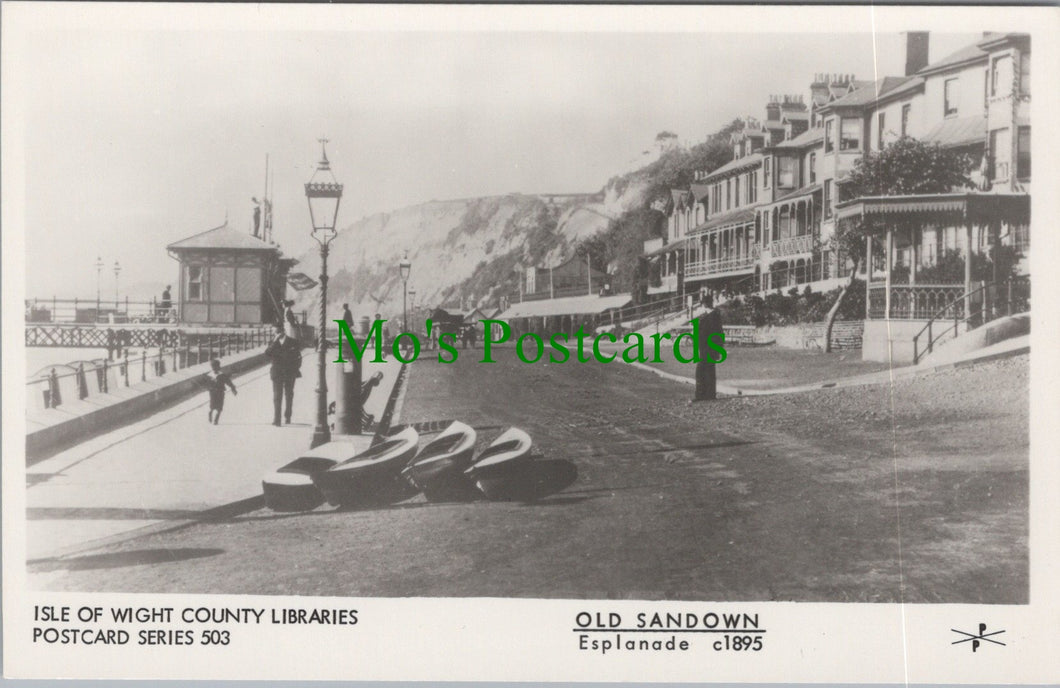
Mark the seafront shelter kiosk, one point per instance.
(228, 277)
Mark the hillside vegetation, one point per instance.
(472, 251)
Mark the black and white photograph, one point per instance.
(669, 315)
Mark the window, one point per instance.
(850, 134)
(1023, 153)
(1025, 74)
(1001, 76)
(1001, 152)
(736, 191)
(813, 167)
(767, 172)
(728, 194)
(950, 94)
(752, 188)
(880, 126)
(906, 110)
(785, 173)
(828, 134)
(195, 290)
(827, 200)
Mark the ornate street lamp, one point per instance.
(323, 193)
(99, 270)
(405, 267)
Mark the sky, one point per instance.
(137, 139)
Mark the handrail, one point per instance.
(182, 355)
(929, 327)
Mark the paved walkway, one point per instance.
(171, 467)
(1009, 347)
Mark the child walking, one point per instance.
(215, 382)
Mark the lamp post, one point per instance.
(323, 193)
(117, 269)
(99, 270)
(412, 302)
(405, 267)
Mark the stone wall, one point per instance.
(846, 334)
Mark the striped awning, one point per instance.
(975, 207)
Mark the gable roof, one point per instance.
(223, 237)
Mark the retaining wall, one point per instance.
(50, 430)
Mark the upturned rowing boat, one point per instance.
(438, 468)
(373, 476)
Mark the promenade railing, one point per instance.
(62, 383)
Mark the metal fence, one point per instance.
(62, 383)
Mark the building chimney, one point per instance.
(819, 87)
(773, 109)
(916, 51)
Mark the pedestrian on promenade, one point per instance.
(347, 315)
(706, 375)
(216, 381)
(385, 330)
(286, 366)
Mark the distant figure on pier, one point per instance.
(216, 381)
(165, 305)
(286, 358)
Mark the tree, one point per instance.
(906, 166)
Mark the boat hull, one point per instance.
(291, 487)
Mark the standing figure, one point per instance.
(347, 315)
(286, 367)
(706, 375)
(216, 380)
(166, 305)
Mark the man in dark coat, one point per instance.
(706, 375)
(286, 357)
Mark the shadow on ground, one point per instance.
(114, 560)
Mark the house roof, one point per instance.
(737, 164)
(807, 138)
(807, 190)
(223, 237)
(969, 53)
(872, 91)
(679, 196)
(734, 217)
(699, 191)
(960, 131)
(574, 305)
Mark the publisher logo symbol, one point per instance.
(976, 640)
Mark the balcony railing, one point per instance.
(914, 301)
(721, 266)
(790, 246)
